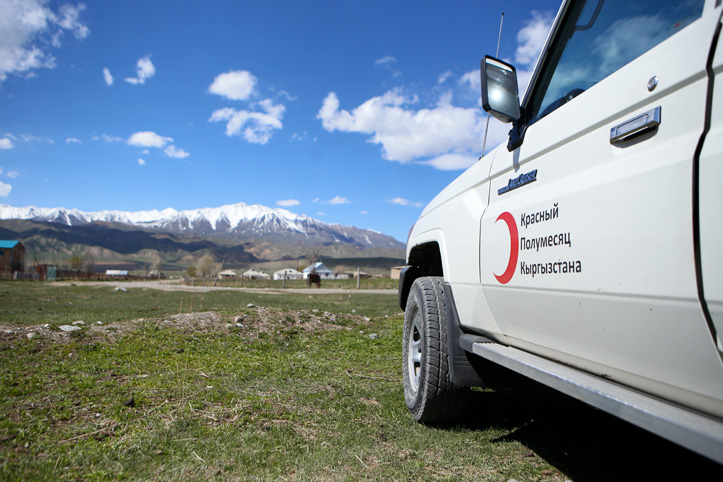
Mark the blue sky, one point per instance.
(349, 111)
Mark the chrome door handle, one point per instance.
(635, 126)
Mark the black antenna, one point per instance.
(497, 54)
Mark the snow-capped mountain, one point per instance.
(239, 222)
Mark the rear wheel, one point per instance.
(430, 395)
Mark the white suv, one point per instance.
(587, 253)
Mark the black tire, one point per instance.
(430, 395)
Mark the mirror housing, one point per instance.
(499, 90)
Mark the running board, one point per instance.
(692, 430)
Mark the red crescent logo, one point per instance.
(514, 248)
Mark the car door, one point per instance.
(587, 246)
(710, 207)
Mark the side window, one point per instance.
(599, 37)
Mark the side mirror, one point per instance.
(499, 90)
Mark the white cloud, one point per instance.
(6, 143)
(12, 174)
(388, 62)
(338, 200)
(443, 136)
(444, 76)
(364, 212)
(385, 60)
(107, 76)
(175, 152)
(69, 20)
(288, 202)
(406, 134)
(148, 139)
(287, 96)
(234, 85)
(472, 80)
(73, 140)
(29, 138)
(141, 162)
(256, 127)
(107, 138)
(531, 38)
(5, 189)
(452, 161)
(258, 121)
(405, 202)
(29, 29)
(144, 69)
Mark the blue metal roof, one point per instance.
(8, 244)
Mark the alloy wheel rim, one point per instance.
(414, 352)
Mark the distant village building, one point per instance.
(156, 274)
(227, 274)
(320, 269)
(116, 273)
(289, 273)
(12, 257)
(253, 274)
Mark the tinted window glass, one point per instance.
(600, 37)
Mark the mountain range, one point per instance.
(262, 233)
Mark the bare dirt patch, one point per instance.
(253, 321)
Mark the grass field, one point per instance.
(179, 386)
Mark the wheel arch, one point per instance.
(424, 259)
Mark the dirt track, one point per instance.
(175, 285)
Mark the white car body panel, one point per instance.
(711, 207)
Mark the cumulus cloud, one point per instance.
(407, 134)
(399, 201)
(452, 161)
(30, 29)
(472, 81)
(5, 189)
(234, 85)
(148, 139)
(141, 162)
(73, 140)
(441, 135)
(144, 70)
(12, 174)
(6, 143)
(257, 122)
(288, 202)
(175, 152)
(107, 76)
(338, 200)
(531, 38)
(254, 126)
